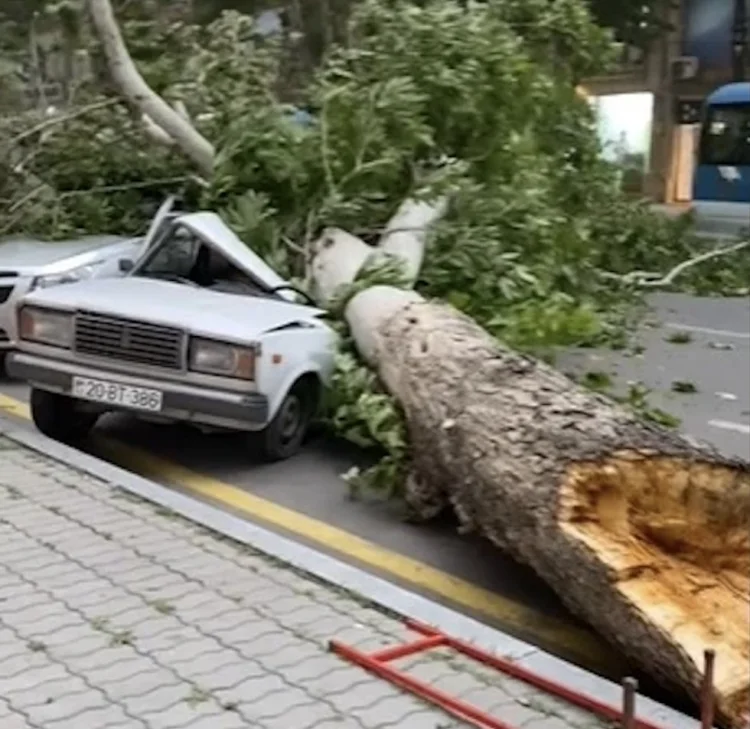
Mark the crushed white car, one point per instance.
(199, 329)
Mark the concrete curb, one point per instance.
(374, 589)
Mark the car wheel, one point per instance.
(58, 417)
(285, 434)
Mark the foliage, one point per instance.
(484, 94)
(637, 400)
(635, 22)
(359, 410)
(365, 415)
(93, 173)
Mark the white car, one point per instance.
(199, 330)
(29, 264)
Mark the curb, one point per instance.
(329, 569)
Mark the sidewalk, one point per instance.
(117, 614)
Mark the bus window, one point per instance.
(726, 136)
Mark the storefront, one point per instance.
(706, 49)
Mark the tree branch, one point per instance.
(135, 89)
(648, 279)
(405, 234)
(682, 267)
(338, 256)
(61, 119)
(156, 133)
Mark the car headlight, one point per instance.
(219, 358)
(46, 326)
(71, 276)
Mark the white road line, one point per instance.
(728, 425)
(706, 330)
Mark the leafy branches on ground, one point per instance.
(364, 414)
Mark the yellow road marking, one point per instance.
(555, 634)
(14, 407)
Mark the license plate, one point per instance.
(113, 393)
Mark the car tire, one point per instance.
(3, 373)
(58, 417)
(285, 434)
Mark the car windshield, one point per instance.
(173, 255)
(726, 136)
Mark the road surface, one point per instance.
(702, 342)
(695, 360)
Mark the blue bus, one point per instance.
(721, 186)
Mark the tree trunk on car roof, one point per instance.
(642, 533)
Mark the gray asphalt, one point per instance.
(716, 360)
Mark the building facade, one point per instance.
(706, 47)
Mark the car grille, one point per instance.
(4, 338)
(5, 292)
(130, 341)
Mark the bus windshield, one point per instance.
(726, 136)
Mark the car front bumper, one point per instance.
(181, 402)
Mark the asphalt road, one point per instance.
(695, 360)
(711, 351)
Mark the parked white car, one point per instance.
(200, 330)
(29, 264)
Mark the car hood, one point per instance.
(213, 314)
(33, 256)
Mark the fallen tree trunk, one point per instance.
(640, 532)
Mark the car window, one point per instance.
(175, 254)
(726, 136)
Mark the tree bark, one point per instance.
(135, 89)
(338, 256)
(641, 532)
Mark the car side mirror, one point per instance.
(125, 265)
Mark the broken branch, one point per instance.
(135, 89)
(650, 279)
(685, 265)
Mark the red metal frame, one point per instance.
(377, 663)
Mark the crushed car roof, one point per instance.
(212, 229)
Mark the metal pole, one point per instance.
(629, 689)
(707, 690)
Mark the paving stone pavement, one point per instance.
(116, 614)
